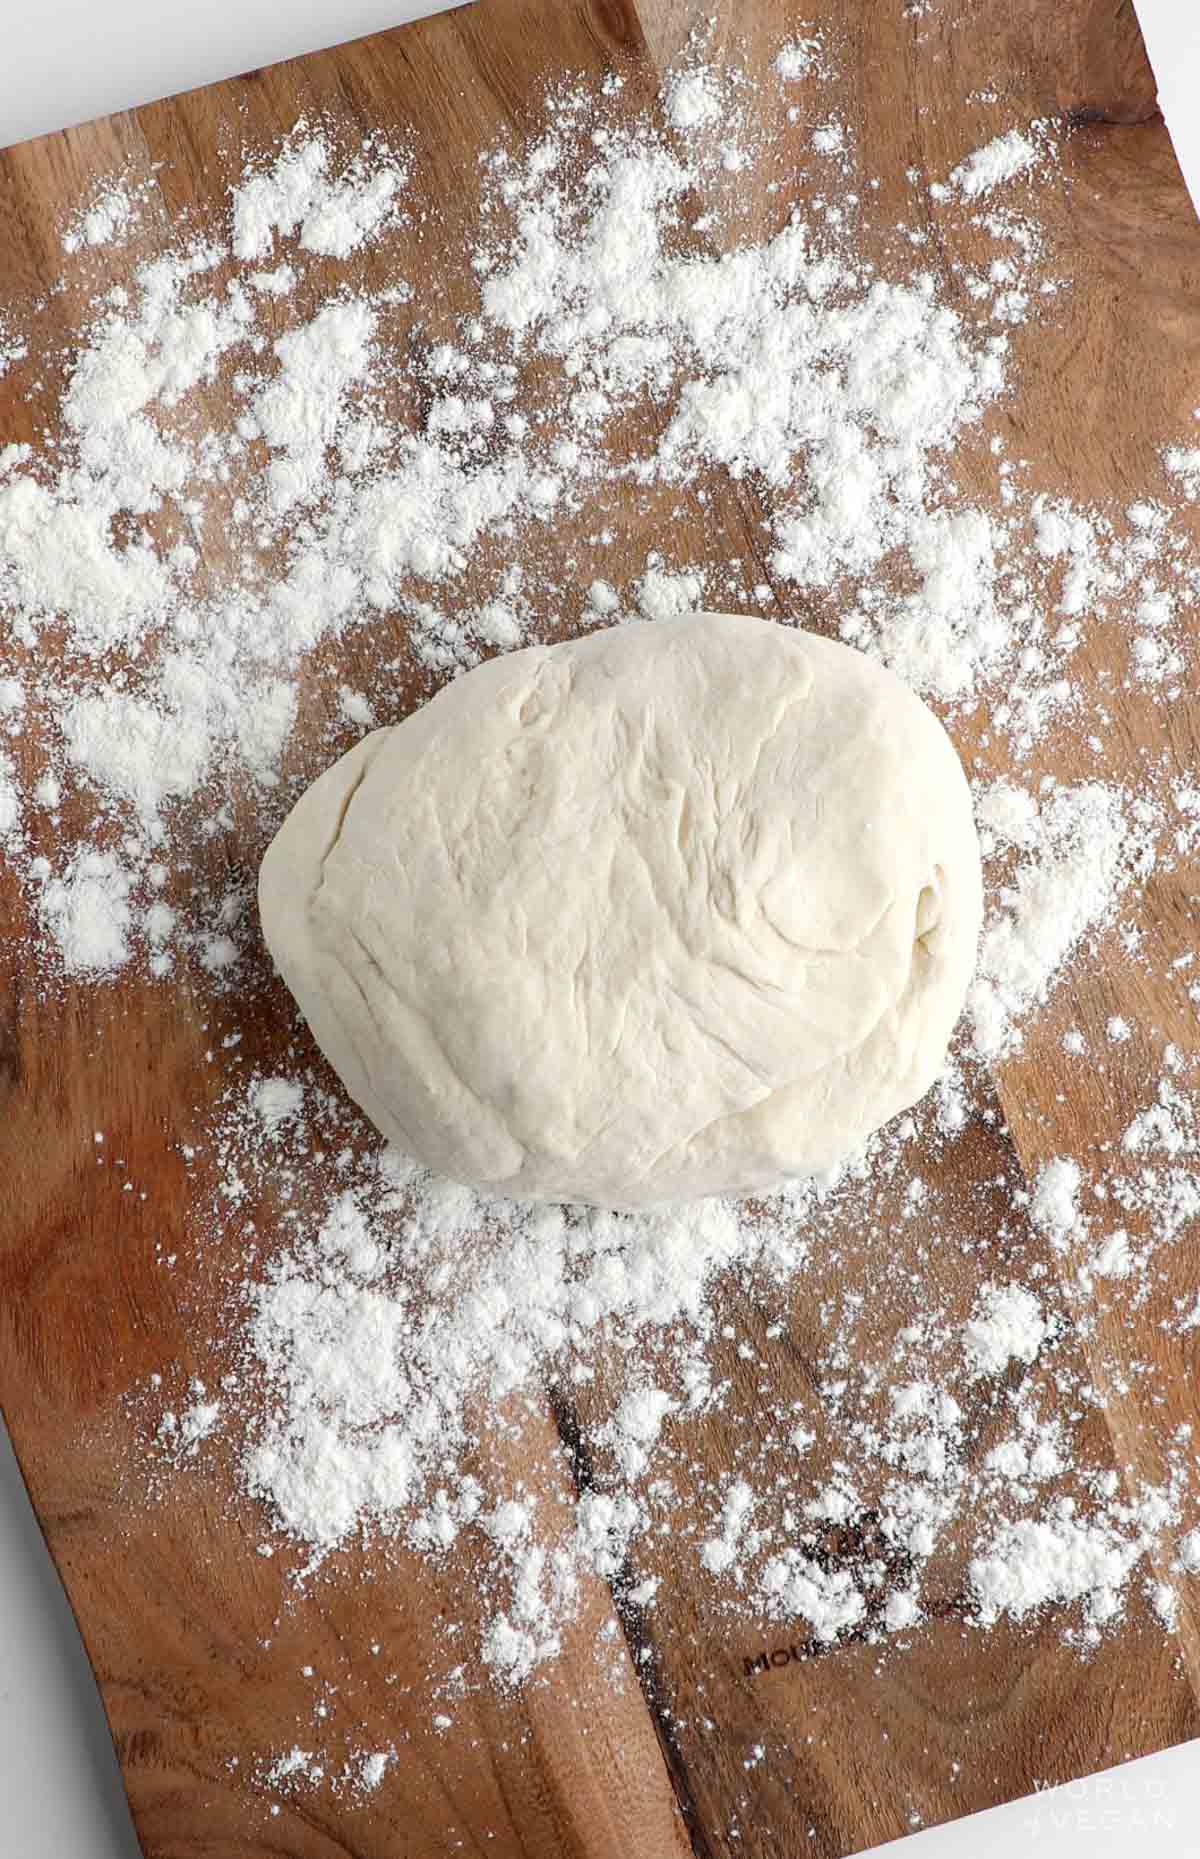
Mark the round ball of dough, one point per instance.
(674, 909)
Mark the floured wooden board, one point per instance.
(698, 1730)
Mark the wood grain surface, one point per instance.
(645, 1755)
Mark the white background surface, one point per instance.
(63, 62)
(1171, 29)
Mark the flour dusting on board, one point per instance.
(279, 497)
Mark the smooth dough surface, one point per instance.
(674, 909)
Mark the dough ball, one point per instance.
(674, 909)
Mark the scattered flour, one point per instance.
(296, 197)
(998, 161)
(10, 800)
(796, 1588)
(721, 1552)
(802, 57)
(180, 1434)
(1055, 1204)
(276, 1101)
(372, 1769)
(107, 221)
(1009, 1327)
(692, 99)
(1183, 463)
(1027, 1564)
(87, 912)
(1079, 856)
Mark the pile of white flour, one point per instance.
(249, 466)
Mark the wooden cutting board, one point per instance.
(196, 1653)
